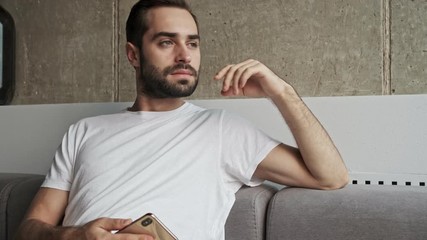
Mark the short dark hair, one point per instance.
(136, 24)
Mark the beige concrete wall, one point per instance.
(63, 50)
(409, 46)
(73, 51)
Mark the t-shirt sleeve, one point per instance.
(243, 147)
(60, 174)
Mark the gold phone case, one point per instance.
(149, 224)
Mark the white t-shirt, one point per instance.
(183, 165)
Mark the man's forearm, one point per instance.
(36, 229)
(317, 149)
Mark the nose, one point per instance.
(182, 54)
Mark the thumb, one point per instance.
(111, 224)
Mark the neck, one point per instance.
(144, 103)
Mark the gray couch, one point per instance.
(354, 212)
(381, 138)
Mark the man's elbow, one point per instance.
(340, 181)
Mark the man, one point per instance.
(172, 158)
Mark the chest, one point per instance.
(161, 152)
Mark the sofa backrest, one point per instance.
(381, 138)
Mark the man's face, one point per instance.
(170, 55)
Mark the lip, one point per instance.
(182, 72)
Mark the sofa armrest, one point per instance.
(247, 217)
(354, 212)
(16, 194)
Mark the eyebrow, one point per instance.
(173, 35)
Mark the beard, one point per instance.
(154, 81)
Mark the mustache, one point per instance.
(179, 66)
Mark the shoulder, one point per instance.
(97, 122)
(201, 111)
(223, 115)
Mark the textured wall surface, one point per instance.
(323, 48)
(409, 46)
(74, 51)
(126, 72)
(63, 50)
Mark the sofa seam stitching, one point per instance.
(270, 209)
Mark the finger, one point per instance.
(248, 73)
(229, 76)
(223, 71)
(124, 236)
(146, 237)
(227, 93)
(111, 224)
(241, 79)
(238, 73)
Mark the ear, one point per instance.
(132, 52)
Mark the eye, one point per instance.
(194, 44)
(165, 43)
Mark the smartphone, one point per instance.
(151, 225)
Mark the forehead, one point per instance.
(171, 19)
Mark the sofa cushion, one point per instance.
(16, 194)
(247, 217)
(355, 212)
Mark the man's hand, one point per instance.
(250, 78)
(101, 229)
(97, 229)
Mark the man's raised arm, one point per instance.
(316, 163)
